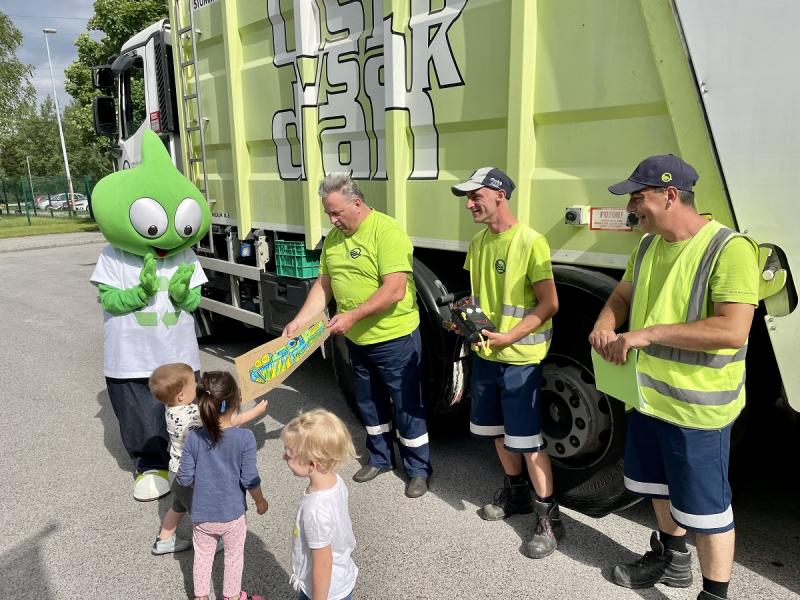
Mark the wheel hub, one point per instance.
(574, 414)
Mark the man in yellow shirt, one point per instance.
(511, 278)
(688, 293)
(366, 266)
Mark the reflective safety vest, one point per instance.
(532, 348)
(701, 389)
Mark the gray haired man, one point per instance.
(366, 266)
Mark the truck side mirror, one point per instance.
(105, 116)
(103, 77)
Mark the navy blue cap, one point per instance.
(659, 171)
(490, 177)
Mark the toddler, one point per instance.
(174, 386)
(316, 444)
(220, 461)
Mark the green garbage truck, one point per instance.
(258, 100)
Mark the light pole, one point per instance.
(47, 30)
(33, 198)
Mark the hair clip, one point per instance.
(223, 406)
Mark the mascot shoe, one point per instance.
(151, 485)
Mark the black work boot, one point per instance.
(549, 529)
(659, 565)
(509, 500)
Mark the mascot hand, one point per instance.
(148, 280)
(179, 284)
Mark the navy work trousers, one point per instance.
(388, 374)
(141, 422)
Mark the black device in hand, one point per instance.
(470, 320)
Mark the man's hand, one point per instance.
(148, 280)
(617, 350)
(262, 506)
(292, 328)
(600, 339)
(341, 323)
(495, 339)
(179, 283)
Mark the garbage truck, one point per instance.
(258, 100)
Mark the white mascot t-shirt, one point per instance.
(156, 334)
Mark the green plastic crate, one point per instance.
(293, 260)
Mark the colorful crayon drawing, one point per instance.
(284, 358)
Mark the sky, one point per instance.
(69, 17)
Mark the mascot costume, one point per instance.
(149, 282)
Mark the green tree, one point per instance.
(118, 21)
(37, 137)
(17, 96)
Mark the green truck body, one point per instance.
(411, 96)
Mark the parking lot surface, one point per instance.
(71, 528)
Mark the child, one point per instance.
(316, 444)
(174, 386)
(220, 460)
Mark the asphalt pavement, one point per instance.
(71, 529)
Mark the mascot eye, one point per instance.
(188, 217)
(149, 218)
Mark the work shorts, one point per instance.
(505, 402)
(687, 466)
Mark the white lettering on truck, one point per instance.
(346, 142)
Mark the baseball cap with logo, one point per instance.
(490, 177)
(659, 171)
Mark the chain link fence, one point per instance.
(48, 198)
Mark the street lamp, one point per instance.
(47, 30)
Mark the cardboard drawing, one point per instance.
(263, 368)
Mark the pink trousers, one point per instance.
(204, 538)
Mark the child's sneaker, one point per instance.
(244, 596)
(170, 545)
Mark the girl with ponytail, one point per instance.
(220, 460)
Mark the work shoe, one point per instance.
(509, 500)
(416, 487)
(369, 472)
(704, 595)
(659, 565)
(170, 545)
(549, 529)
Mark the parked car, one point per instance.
(81, 205)
(59, 201)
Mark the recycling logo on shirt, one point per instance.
(150, 318)
(500, 266)
(355, 253)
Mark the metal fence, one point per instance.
(48, 196)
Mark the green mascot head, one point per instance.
(151, 209)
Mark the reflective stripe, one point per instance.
(415, 443)
(715, 398)
(637, 265)
(509, 310)
(695, 358)
(524, 442)
(379, 429)
(715, 521)
(658, 489)
(694, 311)
(536, 338)
(492, 430)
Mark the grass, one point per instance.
(17, 226)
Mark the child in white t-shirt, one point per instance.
(174, 385)
(316, 444)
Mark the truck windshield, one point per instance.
(133, 106)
